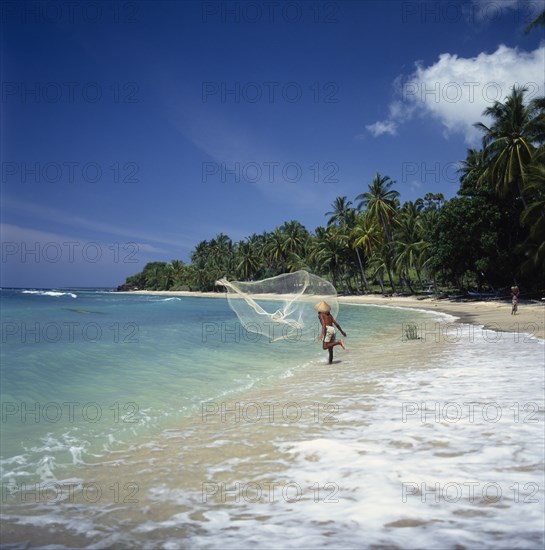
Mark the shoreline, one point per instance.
(339, 429)
(492, 315)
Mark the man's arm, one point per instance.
(339, 327)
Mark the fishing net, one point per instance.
(281, 307)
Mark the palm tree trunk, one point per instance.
(408, 280)
(391, 280)
(362, 271)
(381, 281)
(419, 278)
(347, 282)
(385, 228)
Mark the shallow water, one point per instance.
(431, 442)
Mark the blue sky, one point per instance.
(131, 131)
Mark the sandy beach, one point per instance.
(493, 314)
(219, 441)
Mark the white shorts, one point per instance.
(329, 334)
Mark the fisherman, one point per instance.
(328, 334)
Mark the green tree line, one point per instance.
(492, 233)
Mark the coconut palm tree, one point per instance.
(381, 202)
(178, 269)
(274, 250)
(247, 259)
(329, 251)
(427, 222)
(380, 262)
(221, 256)
(156, 275)
(341, 209)
(200, 253)
(409, 244)
(533, 217)
(364, 237)
(509, 142)
(472, 168)
(344, 216)
(294, 262)
(295, 238)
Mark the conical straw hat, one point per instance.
(322, 307)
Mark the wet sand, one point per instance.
(340, 430)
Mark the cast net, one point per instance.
(281, 307)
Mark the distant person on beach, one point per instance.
(514, 299)
(328, 335)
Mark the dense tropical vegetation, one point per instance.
(492, 234)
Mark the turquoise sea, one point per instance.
(112, 396)
(85, 371)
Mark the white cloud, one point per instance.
(383, 127)
(456, 90)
